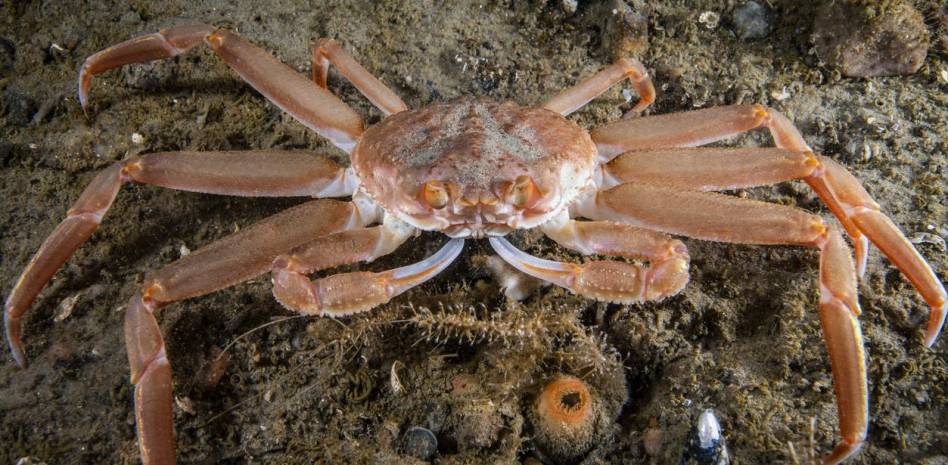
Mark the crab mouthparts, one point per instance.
(477, 230)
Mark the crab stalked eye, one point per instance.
(435, 194)
(523, 192)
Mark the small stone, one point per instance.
(752, 20)
(569, 6)
(862, 40)
(420, 443)
(626, 31)
(709, 19)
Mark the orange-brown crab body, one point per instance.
(475, 150)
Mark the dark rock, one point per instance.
(752, 20)
(863, 40)
(420, 443)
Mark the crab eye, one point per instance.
(523, 192)
(435, 194)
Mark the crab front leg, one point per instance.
(859, 214)
(347, 293)
(606, 280)
(327, 51)
(725, 218)
(310, 104)
(575, 97)
(250, 173)
(221, 264)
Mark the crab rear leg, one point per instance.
(327, 51)
(575, 97)
(252, 173)
(607, 280)
(314, 106)
(859, 214)
(725, 218)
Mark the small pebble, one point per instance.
(569, 6)
(709, 19)
(752, 20)
(420, 443)
(626, 31)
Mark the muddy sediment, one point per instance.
(455, 357)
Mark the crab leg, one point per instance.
(326, 51)
(730, 219)
(607, 280)
(575, 97)
(859, 214)
(707, 168)
(315, 107)
(221, 264)
(348, 293)
(255, 173)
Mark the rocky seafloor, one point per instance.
(451, 372)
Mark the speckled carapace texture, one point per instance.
(744, 337)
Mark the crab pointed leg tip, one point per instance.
(12, 326)
(935, 323)
(19, 356)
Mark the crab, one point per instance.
(475, 169)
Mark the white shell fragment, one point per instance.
(706, 445)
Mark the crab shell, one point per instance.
(478, 150)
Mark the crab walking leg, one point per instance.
(315, 107)
(859, 214)
(839, 310)
(699, 127)
(607, 280)
(348, 293)
(704, 215)
(221, 264)
(326, 51)
(575, 97)
(729, 219)
(707, 168)
(864, 212)
(259, 174)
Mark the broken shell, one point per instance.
(706, 445)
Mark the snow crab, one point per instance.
(474, 169)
